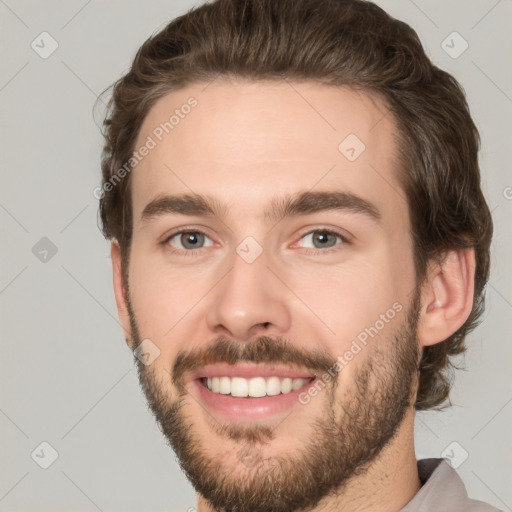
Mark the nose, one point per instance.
(249, 301)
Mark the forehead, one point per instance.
(244, 140)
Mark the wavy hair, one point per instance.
(336, 42)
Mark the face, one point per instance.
(271, 269)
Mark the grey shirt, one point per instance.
(442, 491)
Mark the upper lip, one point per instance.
(248, 370)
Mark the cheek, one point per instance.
(162, 301)
(349, 298)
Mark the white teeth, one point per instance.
(255, 387)
(297, 384)
(273, 386)
(286, 385)
(225, 385)
(239, 387)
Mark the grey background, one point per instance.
(67, 377)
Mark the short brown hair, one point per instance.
(335, 42)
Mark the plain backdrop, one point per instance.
(67, 377)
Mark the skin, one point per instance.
(246, 143)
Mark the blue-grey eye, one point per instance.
(322, 239)
(189, 240)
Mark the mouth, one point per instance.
(249, 392)
(256, 387)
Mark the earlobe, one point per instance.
(120, 291)
(447, 297)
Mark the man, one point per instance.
(300, 243)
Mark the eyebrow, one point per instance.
(303, 203)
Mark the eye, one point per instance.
(188, 241)
(324, 239)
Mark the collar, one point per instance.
(442, 489)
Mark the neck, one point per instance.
(386, 486)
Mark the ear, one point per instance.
(120, 291)
(447, 296)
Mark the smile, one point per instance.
(248, 392)
(255, 387)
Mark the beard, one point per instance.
(342, 443)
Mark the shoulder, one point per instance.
(443, 489)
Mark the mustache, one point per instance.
(259, 350)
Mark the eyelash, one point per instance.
(196, 252)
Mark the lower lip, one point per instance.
(247, 408)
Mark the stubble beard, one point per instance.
(340, 445)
